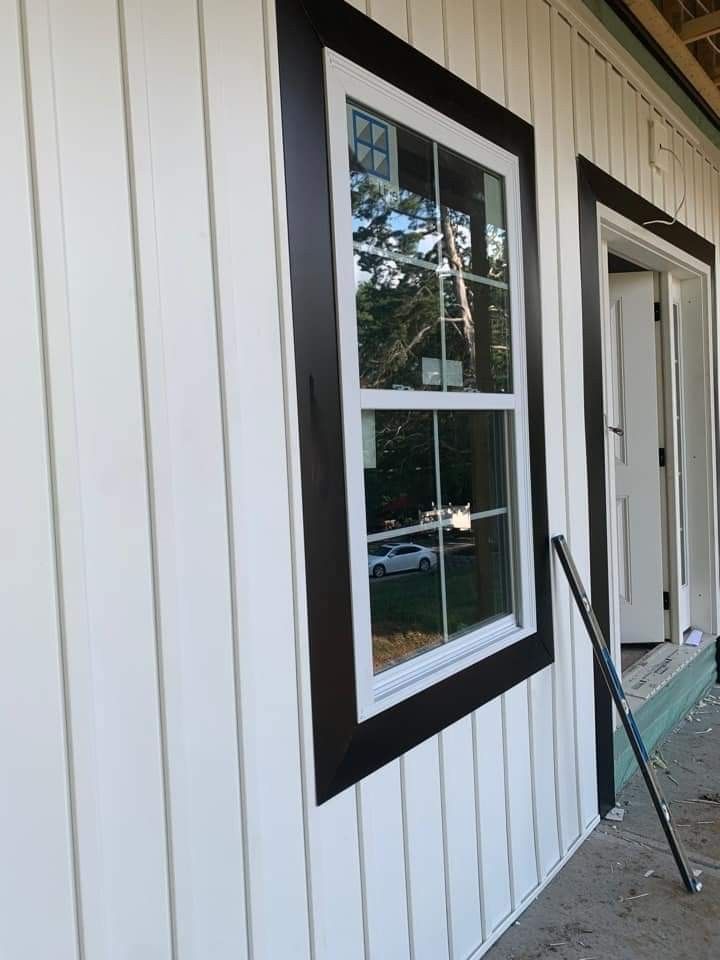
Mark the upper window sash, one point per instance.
(346, 81)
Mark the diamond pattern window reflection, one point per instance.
(371, 144)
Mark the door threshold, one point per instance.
(657, 667)
(631, 653)
(662, 688)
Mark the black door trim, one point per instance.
(595, 186)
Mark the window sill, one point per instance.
(403, 681)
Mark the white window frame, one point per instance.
(376, 693)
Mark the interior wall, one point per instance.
(155, 733)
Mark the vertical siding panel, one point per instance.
(545, 754)
(540, 702)
(660, 181)
(383, 862)
(334, 860)
(165, 90)
(699, 192)
(682, 180)
(496, 901)
(267, 687)
(689, 162)
(615, 124)
(581, 96)
(359, 4)
(460, 33)
(35, 813)
(422, 801)
(392, 14)
(667, 184)
(489, 41)
(426, 30)
(185, 424)
(458, 776)
(678, 176)
(549, 183)
(542, 752)
(579, 690)
(539, 708)
(646, 171)
(98, 436)
(524, 874)
(517, 66)
(599, 104)
(707, 198)
(632, 176)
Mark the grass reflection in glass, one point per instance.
(406, 616)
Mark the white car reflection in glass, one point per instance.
(383, 559)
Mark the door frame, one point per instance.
(606, 204)
(635, 243)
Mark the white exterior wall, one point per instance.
(157, 794)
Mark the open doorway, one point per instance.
(659, 458)
(635, 378)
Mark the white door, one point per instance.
(677, 409)
(632, 409)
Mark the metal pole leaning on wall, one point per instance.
(610, 675)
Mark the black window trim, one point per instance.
(346, 750)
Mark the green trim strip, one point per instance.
(624, 35)
(659, 716)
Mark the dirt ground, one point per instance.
(621, 897)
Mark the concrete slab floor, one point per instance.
(603, 906)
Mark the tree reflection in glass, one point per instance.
(431, 272)
(476, 311)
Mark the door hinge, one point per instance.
(666, 600)
(661, 456)
(656, 308)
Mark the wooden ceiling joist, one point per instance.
(699, 28)
(675, 46)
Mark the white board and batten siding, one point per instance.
(155, 727)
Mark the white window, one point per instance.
(428, 251)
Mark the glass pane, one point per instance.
(399, 471)
(477, 336)
(398, 323)
(477, 574)
(473, 459)
(392, 183)
(472, 214)
(405, 599)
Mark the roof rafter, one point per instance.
(700, 27)
(676, 48)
